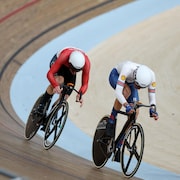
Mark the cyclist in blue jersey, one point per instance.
(126, 79)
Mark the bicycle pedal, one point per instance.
(54, 122)
(43, 128)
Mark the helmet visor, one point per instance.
(73, 68)
(137, 85)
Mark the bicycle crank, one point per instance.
(110, 146)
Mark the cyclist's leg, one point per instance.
(63, 76)
(113, 78)
(116, 107)
(45, 98)
(69, 77)
(110, 127)
(59, 77)
(48, 93)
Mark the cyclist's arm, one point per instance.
(152, 98)
(120, 85)
(119, 91)
(152, 90)
(85, 76)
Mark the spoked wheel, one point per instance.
(33, 122)
(100, 151)
(55, 125)
(132, 150)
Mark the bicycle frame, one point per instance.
(131, 120)
(66, 88)
(35, 121)
(57, 117)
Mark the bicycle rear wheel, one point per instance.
(132, 150)
(32, 124)
(55, 125)
(100, 142)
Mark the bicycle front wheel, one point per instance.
(132, 150)
(55, 125)
(32, 124)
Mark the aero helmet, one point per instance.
(143, 77)
(77, 60)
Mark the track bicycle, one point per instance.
(54, 119)
(127, 148)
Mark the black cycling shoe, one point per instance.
(43, 128)
(117, 156)
(110, 130)
(44, 124)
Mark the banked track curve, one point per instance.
(21, 35)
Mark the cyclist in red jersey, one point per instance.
(63, 69)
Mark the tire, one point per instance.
(32, 124)
(55, 125)
(99, 146)
(132, 150)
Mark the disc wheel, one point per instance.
(100, 155)
(33, 122)
(132, 150)
(55, 125)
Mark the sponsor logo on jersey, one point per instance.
(154, 84)
(123, 77)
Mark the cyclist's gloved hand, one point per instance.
(80, 95)
(152, 112)
(79, 98)
(129, 109)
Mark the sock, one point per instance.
(113, 116)
(45, 98)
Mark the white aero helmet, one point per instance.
(77, 60)
(143, 77)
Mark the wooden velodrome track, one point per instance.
(21, 34)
